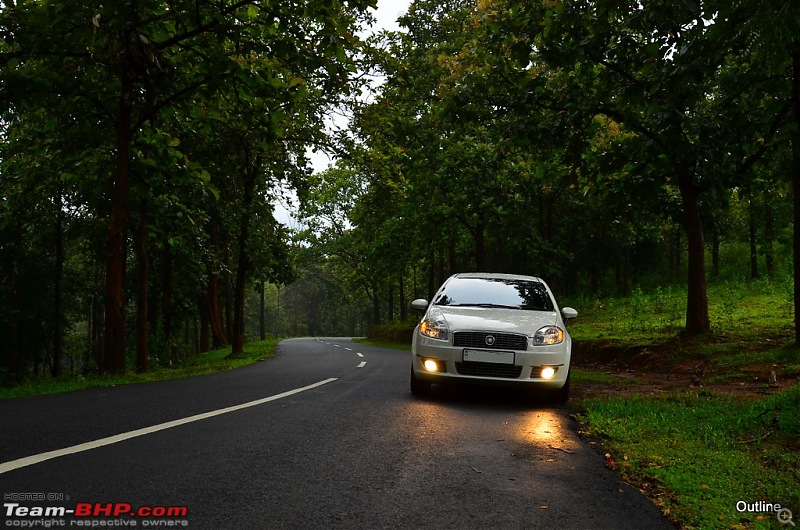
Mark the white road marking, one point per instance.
(5, 467)
(363, 363)
(336, 346)
(349, 349)
(360, 354)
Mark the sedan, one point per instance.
(497, 329)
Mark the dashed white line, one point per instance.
(35, 459)
(360, 354)
(363, 363)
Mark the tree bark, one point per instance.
(796, 184)
(753, 243)
(243, 261)
(142, 280)
(697, 321)
(58, 328)
(114, 343)
(166, 296)
(262, 317)
(218, 335)
(769, 237)
(480, 247)
(205, 337)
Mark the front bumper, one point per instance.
(525, 370)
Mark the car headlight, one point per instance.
(434, 326)
(548, 335)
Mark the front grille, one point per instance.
(502, 341)
(507, 371)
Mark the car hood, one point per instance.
(504, 320)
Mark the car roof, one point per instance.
(496, 275)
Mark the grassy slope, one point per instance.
(214, 361)
(708, 446)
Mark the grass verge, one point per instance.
(211, 362)
(705, 453)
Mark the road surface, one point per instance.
(325, 435)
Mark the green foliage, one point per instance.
(210, 362)
(705, 453)
(169, 129)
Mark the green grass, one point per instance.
(697, 453)
(211, 362)
(749, 308)
(704, 452)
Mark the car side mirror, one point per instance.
(420, 304)
(567, 313)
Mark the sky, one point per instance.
(385, 18)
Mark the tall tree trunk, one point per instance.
(58, 328)
(391, 303)
(243, 261)
(166, 296)
(753, 243)
(715, 242)
(796, 184)
(15, 361)
(376, 304)
(431, 273)
(142, 280)
(480, 247)
(114, 343)
(205, 336)
(697, 321)
(218, 335)
(228, 284)
(262, 317)
(403, 307)
(769, 237)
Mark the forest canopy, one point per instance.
(599, 145)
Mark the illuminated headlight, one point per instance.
(548, 335)
(548, 372)
(434, 326)
(430, 365)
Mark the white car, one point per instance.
(500, 329)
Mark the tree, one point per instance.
(128, 63)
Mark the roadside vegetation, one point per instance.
(700, 424)
(213, 361)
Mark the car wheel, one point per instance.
(561, 395)
(418, 387)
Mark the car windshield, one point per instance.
(497, 293)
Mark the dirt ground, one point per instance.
(651, 370)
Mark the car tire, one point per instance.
(560, 395)
(419, 387)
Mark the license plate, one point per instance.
(484, 356)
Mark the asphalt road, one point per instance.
(350, 449)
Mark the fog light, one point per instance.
(430, 365)
(548, 372)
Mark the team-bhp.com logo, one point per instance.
(88, 511)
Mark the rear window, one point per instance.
(495, 292)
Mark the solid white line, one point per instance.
(5, 467)
(362, 364)
(360, 354)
